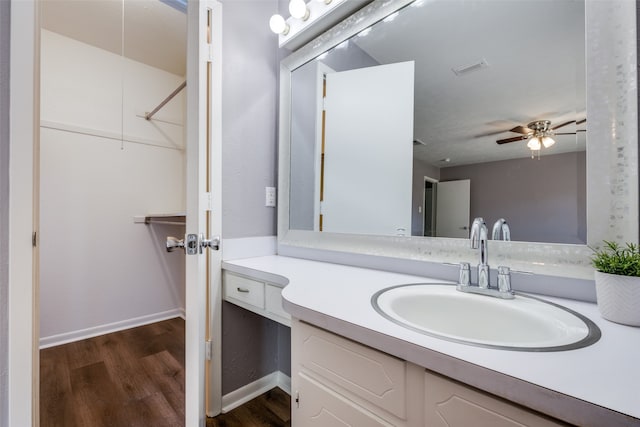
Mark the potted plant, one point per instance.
(618, 282)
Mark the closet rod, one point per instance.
(167, 99)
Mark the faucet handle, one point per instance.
(504, 279)
(464, 278)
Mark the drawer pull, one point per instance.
(244, 290)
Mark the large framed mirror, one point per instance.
(410, 118)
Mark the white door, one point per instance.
(452, 208)
(203, 159)
(369, 144)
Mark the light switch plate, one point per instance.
(270, 197)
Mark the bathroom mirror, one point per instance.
(480, 125)
(362, 165)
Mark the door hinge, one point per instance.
(34, 239)
(208, 349)
(297, 399)
(208, 53)
(207, 201)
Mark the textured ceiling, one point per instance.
(535, 52)
(153, 32)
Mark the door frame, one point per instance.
(24, 110)
(433, 203)
(23, 309)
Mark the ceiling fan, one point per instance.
(539, 133)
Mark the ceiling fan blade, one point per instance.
(497, 132)
(564, 133)
(521, 129)
(579, 122)
(514, 139)
(563, 125)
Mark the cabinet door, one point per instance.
(319, 406)
(451, 404)
(369, 376)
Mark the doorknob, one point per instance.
(213, 243)
(174, 243)
(194, 244)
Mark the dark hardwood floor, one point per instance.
(271, 409)
(128, 378)
(134, 378)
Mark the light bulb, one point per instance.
(534, 143)
(547, 141)
(298, 9)
(278, 25)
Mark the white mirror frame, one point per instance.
(612, 154)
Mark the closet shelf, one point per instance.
(179, 218)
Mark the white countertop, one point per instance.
(338, 298)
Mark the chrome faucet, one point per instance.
(501, 225)
(478, 237)
(479, 241)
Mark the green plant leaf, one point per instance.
(615, 259)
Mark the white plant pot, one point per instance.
(618, 298)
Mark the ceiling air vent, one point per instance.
(476, 66)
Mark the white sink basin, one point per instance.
(523, 323)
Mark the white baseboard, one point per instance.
(284, 382)
(67, 337)
(250, 391)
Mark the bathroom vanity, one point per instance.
(349, 363)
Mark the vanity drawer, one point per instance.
(244, 290)
(273, 301)
(357, 370)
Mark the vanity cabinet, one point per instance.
(336, 381)
(448, 403)
(260, 297)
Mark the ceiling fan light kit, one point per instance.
(539, 134)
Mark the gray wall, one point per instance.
(252, 346)
(303, 149)
(4, 207)
(249, 117)
(542, 200)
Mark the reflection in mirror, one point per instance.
(495, 128)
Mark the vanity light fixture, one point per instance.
(299, 10)
(278, 25)
(309, 18)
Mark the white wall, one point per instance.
(99, 270)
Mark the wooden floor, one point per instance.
(134, 378)
(272, 409)
(128, 378)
